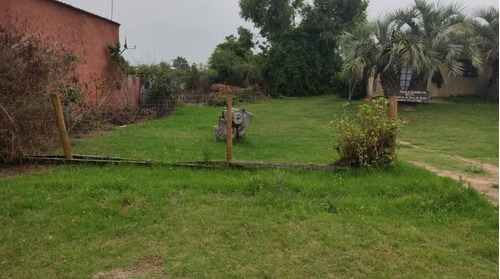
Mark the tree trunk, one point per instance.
(492, 93)
(352, 87)
(390, 83)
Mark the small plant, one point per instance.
(462, 183)
(164, 87)
(368, 141)
(70, 94)
(207, 154)
(494, 186)
(116, 55)
(476, 168)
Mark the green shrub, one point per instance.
(165, 82)
(368, 141)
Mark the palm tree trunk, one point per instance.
(492, 93)
(390, 81)
(352, 87)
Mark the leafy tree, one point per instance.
(303, 57)
(201, 79)
(275, 18)
(228, 65)
(180, 63)
(359, 49)
(194, 75)
(241, 45)
(233, 59)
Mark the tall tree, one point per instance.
(274, 18)
(180, 63)
(423, 38)
(442, 29)
(233, 58)
(241, 46)
(302, 56)
(485, 33)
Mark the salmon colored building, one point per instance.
(86, 35)
(470, 83)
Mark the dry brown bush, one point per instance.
(100, 119)
(210, 98)
(30, 70)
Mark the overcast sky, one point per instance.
(163, 30)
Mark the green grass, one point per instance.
(279, 126)
(466, 127)
(401, 222)
(72, 222)
(298, 130)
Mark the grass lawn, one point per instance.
(287, 130)
(299, 130)
(402, 222)
(465, 127)
(72, 222)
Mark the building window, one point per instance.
(405, 77)
(469, 70)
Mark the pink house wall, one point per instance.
(84, 34)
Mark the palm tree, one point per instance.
(484, 28)
(367, 50)
(442, 31)
(359, 48)
(422, 38)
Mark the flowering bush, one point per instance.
(369, 140)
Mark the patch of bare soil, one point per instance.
(408, 144)
(16, 170)
(482, 184)
(147, 268)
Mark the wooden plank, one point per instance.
(206, 165)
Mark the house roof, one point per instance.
(83, 11)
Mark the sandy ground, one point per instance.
(482, 183)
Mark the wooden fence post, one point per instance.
(229, 126)
(62, 126)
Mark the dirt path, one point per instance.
(481, 183)
(148, 267)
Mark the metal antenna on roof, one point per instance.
(125, 46)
